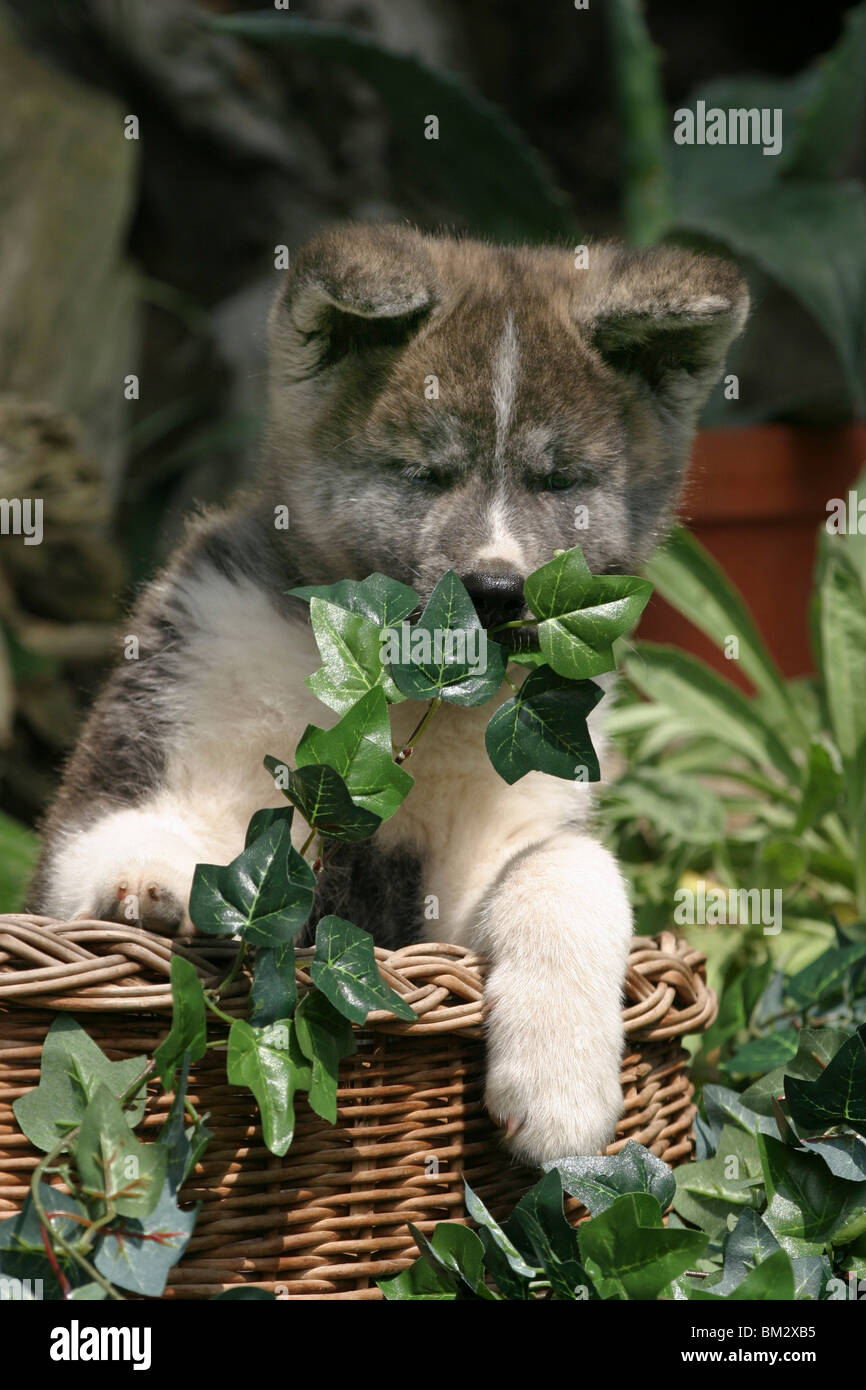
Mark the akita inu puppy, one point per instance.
(435, 404)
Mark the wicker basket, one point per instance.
(330, 1218)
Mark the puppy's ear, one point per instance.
(665, 317)
(350, 290)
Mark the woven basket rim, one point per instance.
(93, 966)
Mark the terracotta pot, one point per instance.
(755, 498)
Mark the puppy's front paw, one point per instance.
(154, 899)
(134, 868)
(552, 1086)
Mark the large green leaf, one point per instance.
(447, 655)
(265, 895)
(811, 237)
(597, 1181)
(580, 614)
(709, 1190)
(269, 1062)
(808, 1209)
(823, 978)
(138, 1254)
(73, 1069)
(124, 1175)
(325, 1037)
(628, 1253)
(543, 729)
(350, 649)
(382, 601)
(837, 1097)
(708, 704)
(480, 164)
(344, 969)
(685, 574)
(274, 992)
(324, 801)
(770, 1281)
(538, 1227)
(188, 1031)
(359, 749)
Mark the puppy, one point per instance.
(434, 404)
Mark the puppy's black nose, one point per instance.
(497, 595)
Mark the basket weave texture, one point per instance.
(331, 1217)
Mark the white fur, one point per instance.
(542, 900)
(502, 545)
(505, 371)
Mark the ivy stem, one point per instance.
(215, 1009)
(309, 840)
(233, 973)
(416, 733)
(54, 1238)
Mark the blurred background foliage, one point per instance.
(154, 257)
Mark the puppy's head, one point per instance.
(445, 404)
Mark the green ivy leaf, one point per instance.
(808, 1209)
(837, 1097)
(359, 749)
(351, 664)
(441, 674)
(269, 1062)
(823, 787)
(324, 1037)
(762, 1054)
(497, 1237)
(188, 1022)
(709, 1189)
(22, 1253)
(457, 1251)
(274, 992)
(543, 729)
(265, 895)
(184, 1144)
(262, 821)
(771, 1280)
(345, 970)
(538, 1227)
(382, 601)
(844, 1155)
(137, 1254)
(422, 1281)
(598, 1180)
(825, 976)
(323, 799)
(73, 1069)
(128, 1175)
(580, 613)
(629, 1254)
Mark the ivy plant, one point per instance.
(119, 1225)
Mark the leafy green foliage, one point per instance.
(73, 1069)
(443, 661)
(324, 801)
(345, 970)
(264, 895)
(188, 1035)
(359, 749)
(19, 849)
(543, 728)
(581, 614)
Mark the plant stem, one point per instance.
(56, 1239)
(215, 1009)
(232, 975)
(416, 733)
(309, 840)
